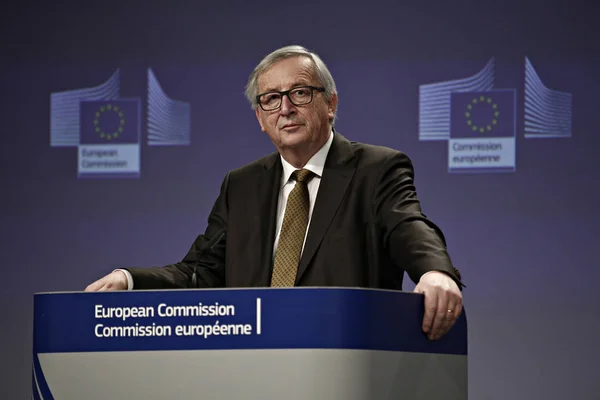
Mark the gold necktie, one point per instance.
(292, 233)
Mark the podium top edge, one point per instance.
(297, 288)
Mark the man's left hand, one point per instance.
(443, 303)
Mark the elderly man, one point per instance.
(321, 211)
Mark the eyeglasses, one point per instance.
(299, 96)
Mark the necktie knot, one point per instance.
(303, 175)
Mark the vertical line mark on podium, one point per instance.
(258, 316)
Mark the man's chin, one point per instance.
(295, 145)
(294, 137)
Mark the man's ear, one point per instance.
(332, 103)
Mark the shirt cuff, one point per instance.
(129, 278)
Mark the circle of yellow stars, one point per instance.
(482, 100)
(119, 113)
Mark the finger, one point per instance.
(452, 314)
(456, 311)
(440, 314)
(93, 287)
(448, 320)
(458, 308)
(430, 310)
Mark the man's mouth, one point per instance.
(290, 126)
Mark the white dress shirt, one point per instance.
(316, 165)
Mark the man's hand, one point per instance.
(116, 280)
(443, 303)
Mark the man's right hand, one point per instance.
(116, 280)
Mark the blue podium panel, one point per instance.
(298, 343)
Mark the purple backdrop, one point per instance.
(523, 240)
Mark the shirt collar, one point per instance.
(316, 164)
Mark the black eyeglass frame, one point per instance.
(287, 93)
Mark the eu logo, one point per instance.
(482, 131)
(482, 114)
(105, 122)
(109, 143)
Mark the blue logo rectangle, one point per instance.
(237, 319)
(110, 122)
(481, 115)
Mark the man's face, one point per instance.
(294, 127)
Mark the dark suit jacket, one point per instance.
(366, 230)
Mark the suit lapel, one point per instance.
(337, 174)
(268, 193)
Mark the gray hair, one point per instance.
(323, 75)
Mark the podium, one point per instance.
(263, 343)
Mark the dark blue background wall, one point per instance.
(523, 240)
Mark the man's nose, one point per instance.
(287, 107)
